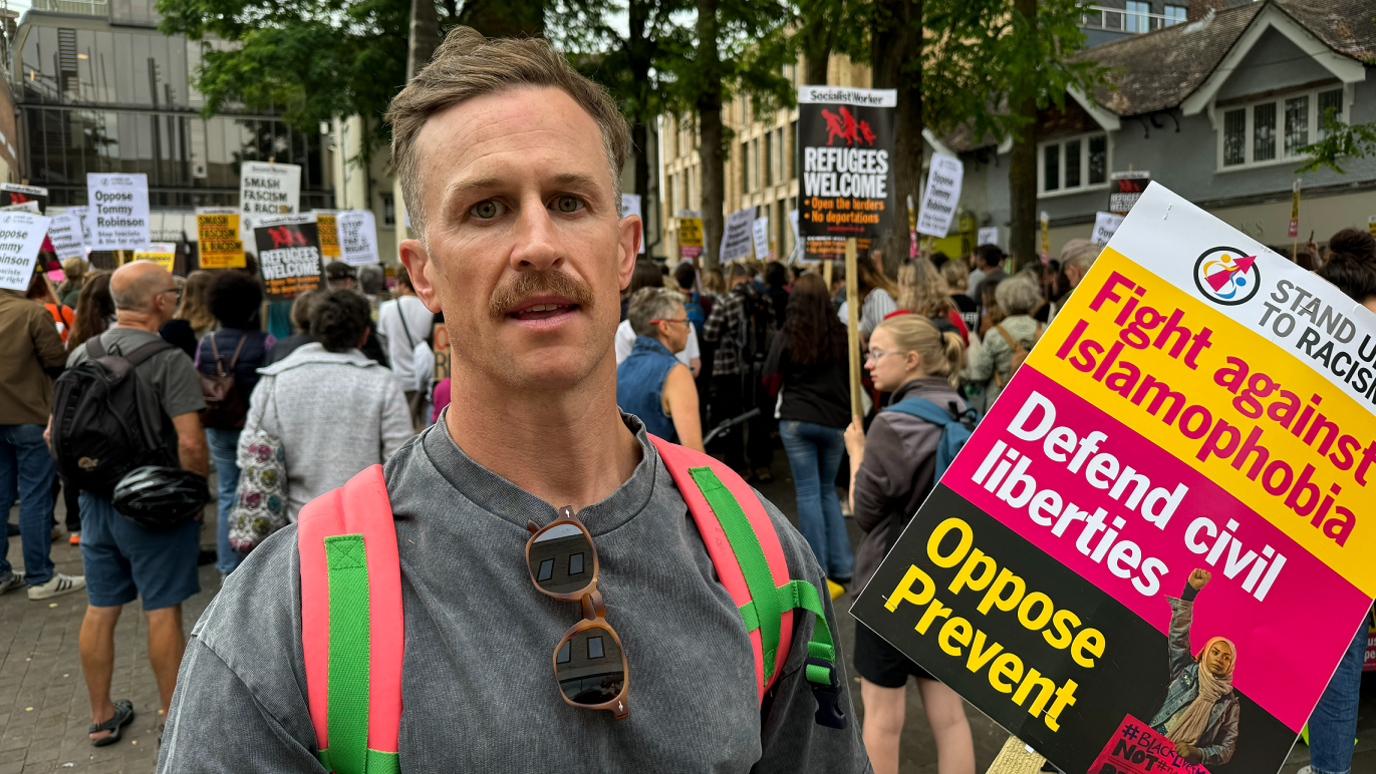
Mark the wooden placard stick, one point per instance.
(853, 326)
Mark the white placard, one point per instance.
(357, 234)
(760, 230)
(941, 197)
(735, 238)
(81, 213)
(988, 236)
(630, 205)
(65, 232)
(22, 207)
(1105, 225)
(797, 240)
(21, 237)
(267, 189)
(118, 211)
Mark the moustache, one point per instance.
(542, 283)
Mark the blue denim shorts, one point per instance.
(125, 561)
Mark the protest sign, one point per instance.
(163, 254)
(357, 233)
(845, 144)
(65, 233)
(325, 226)
(118, 211)
(797, 238)
(828, 249)
(987, 236)
(218, 242)
(1105, 224)
(1371, 225)
(1294, 230)
(14, 193)
(1046, 237)
(1370, 664)
(760, 231)
(1182, 458)
(689, 237)
(22, 207)
(735, 239)
(81, 214)
(630, 205)
(21, 236)
(1125, 188)
(289, 256)
(441, 352)
(267, 189)
(942, 195)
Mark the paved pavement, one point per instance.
(44, 711)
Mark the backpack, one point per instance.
(224, 407)
(1019, 353)
(357, 717)
(756, 332)
(697, 314)
(107, 420)
(956, 427)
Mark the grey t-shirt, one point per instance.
(478, 688)
(170, 373)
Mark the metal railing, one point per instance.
(83, 7)
(1116, 19)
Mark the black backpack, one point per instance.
(107, 420)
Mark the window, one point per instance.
(1052, 168)
(575, 565)
(745, 166)
(754, 163)
(779, 175)
(546, 570)
(563, 657)
(389, 210)
(1175, 14)
(768, 165)
(1137, 18)
(1073, 164)
(1276, 130)
(793, 143)
(594, 647)
(1098, 160)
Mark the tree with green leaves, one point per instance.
(1339, 141)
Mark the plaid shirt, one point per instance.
(723, 326)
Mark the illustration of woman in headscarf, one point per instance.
(1201, 711)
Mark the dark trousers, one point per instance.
(735, 394)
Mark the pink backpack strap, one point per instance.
(680, 462)
(351, 618)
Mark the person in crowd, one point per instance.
(957, 273)
(698, 304)
(322, 452)
(1077, 257)
(301, 309)
(893, 468)
(939, 260)
(776, 287)
(807, 361)
(193, 319)
(738, 326)
(125, 561)
(987, 261)
(1351, 267)
(713, 285)
(341, 276)
(372, 280)
(509, 162)
(647, 274)
(31, 355)
(651, 383)
(74, 271)
(42, 291)
(922, 290)
(242, 348)
(406, 324)
(1017, 298)
(878, 298)
(690, 355)
(95, 309)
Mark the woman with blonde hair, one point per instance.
(193, 319)
(74, 270)
(878, 297)
(923, 291)
(893, 469)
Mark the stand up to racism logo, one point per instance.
(1227, 275)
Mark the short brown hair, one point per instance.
(468, 65)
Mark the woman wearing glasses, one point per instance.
(892, 471)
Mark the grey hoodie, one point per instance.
(478, 687)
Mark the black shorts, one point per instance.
(881, 663)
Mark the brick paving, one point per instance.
(44, 712)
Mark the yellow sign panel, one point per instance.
(218, 235)
(164, 255)
(329, 237)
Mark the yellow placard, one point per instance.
(329, 238)
(164, 255)
(220, 246)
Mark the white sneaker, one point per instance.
(10, 582)
(1306, 770)
(58, 585)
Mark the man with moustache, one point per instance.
(510, 162)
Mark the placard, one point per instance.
(797, 251)
(630, 205)
(14, 193)
(65, 232)
(82, 214)
(289, 256)
(357, 233)
(1184, 457)
(163, 254)
(267, 189)
(760, 231)
(689, 237)
(736, 237)
(118, 211)
(325, 226)
(1105, 225)
(987, 236)
(218, 242)
(21, 236)
(941, 197)
(441, 352)
(1125, 188)
(845, 146)
(1294, 230)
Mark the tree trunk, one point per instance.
(640, 140)
(638, 47)
(425, 36)
(710, 130)
(896, 43)
(1022, 168)
(816, 62)
(505, 18)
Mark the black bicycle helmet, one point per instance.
(160, 498)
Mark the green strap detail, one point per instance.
(791, 596)
(819, 675)
(746, 546)
(378, 762)
(347, 715)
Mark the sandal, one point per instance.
(124, 713)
